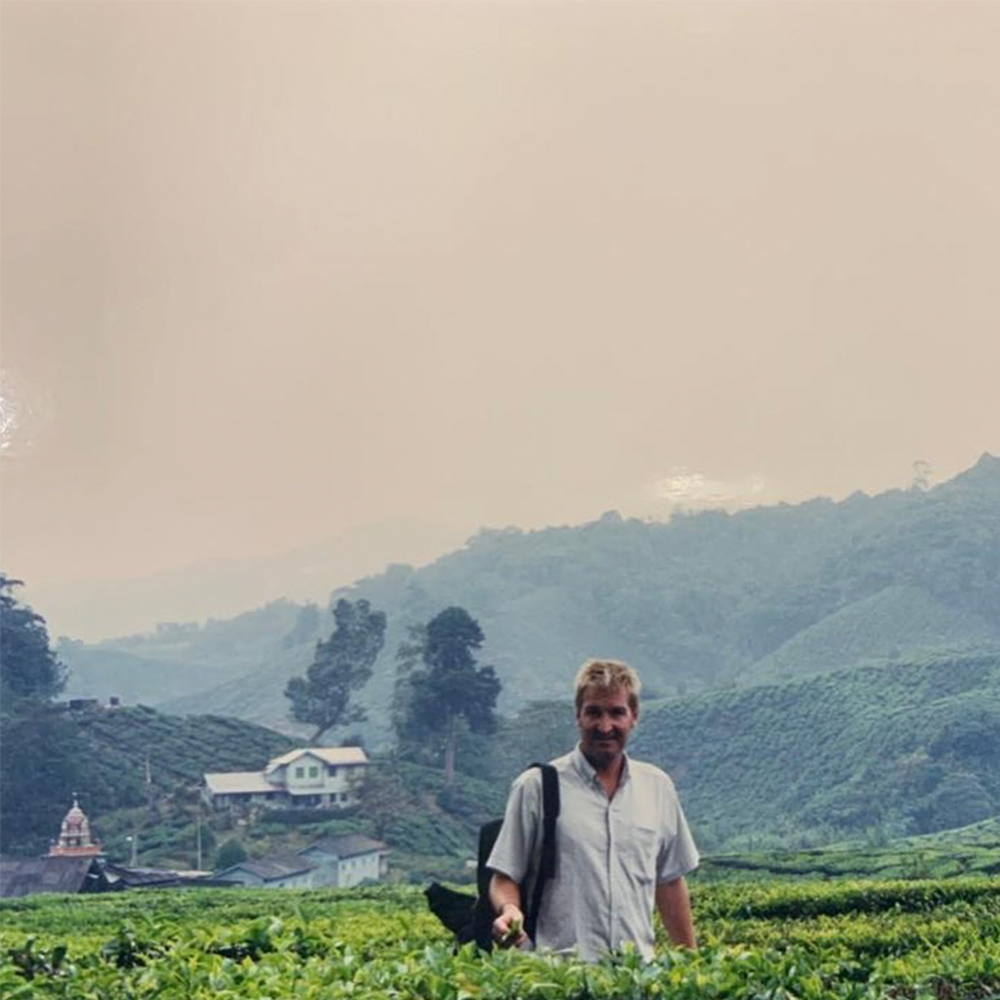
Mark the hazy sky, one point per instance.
(273, 271)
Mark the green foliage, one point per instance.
(343, 664)
(40, 750)
(448, 689)
(852, 941)
(28, 667)
(230, 853)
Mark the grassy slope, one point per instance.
(910, 747)
(879, 627)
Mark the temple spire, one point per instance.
(75, 839)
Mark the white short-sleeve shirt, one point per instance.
(610, 854)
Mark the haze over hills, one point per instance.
(703, 601)
(223, 588)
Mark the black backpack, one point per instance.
(471, 919)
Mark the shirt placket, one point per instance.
(609, 861)
(612, 809)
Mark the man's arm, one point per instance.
(505, 895)
(674, 904)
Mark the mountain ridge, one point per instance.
(699, 601)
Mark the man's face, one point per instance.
(605, 721)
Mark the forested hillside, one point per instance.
(51, 753)
(703, 601)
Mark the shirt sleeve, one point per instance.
(679, 854)
(512, 852)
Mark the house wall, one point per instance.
(336, 784)
(244, 878)
(351, 871)
(346, 872)
(222, 801)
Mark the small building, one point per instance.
(275, 871)
(76, 863)
(126, 877)
(311, 776)
(51, 873)
(337, 862)
(352, 859)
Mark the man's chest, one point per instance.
(596, 834)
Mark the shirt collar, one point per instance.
(586, 770)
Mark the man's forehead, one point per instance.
(604, 698)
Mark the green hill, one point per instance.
(101, 755)
(178, 658)
(903, 748)
(874, 628)
(696, 603)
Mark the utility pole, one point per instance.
(197, 838)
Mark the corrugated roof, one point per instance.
(350, 845)
(239, 782)
(329, 755)
(27, 876)
(271, 867)
(122, 875)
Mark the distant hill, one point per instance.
(700, 602)
(905, 748)
(157, 668)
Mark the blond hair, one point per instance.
(608, 675)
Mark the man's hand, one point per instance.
(508, 928)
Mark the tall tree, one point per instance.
(343, 664)
(28, 667)
(449, 687)
(38, 766)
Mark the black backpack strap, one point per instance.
(547, 862)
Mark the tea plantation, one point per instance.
(790, 941)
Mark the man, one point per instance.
(622, 843)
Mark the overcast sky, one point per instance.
(275, 271)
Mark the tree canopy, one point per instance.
(448, 688)
(342, 665)
(38, 763)
(28, 667)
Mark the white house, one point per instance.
(312, 776)
(351, 859)
(334, 861)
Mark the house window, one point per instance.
(300, 772)
(332, 771)
(313, 772)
